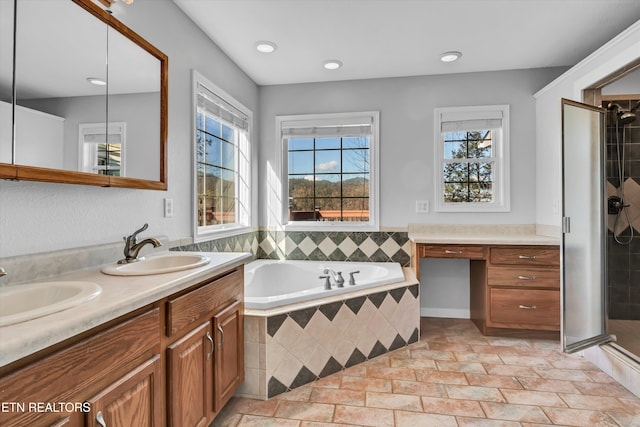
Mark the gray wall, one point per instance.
(39, 217)
(406, 136)
(406, 154)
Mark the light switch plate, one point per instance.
(422, 206)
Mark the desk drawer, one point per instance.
(525, 308)
(452, 251)
(525, 255)
(530, 277)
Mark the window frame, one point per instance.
(88, 150)
(374, 171)
(500, 158)
(243, 174)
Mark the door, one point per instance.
(584, 231)
(229, 362)
(190, 383)
(133, 400)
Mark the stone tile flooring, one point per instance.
(453, 376)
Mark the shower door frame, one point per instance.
(575, 287)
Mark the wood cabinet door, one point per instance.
(189, 378)
(229, 360)
(133, 400)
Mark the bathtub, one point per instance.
(272, 283)
(296, 332)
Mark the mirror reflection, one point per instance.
(87, 97)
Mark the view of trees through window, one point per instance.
(468, 162)
(329, 179)
(216, 144)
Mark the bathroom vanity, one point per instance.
(173, 358)
(514, 275)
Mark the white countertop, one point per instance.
(478, 234)
(120, 295)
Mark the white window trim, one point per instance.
(374, 172)
(201, 234)
(501, 202)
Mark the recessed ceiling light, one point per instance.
(450, 56)
(266, 46)
(332, 64)
(96, 81)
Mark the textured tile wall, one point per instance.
(623, 263)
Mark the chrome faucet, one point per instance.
(336, 276)
(3, 272)
(132, 247)
(352, 280)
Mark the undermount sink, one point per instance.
(19, 303)
(157, 265)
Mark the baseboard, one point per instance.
(450, 313)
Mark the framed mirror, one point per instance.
(86, 97)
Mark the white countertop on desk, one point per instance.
(120, 295)
(478, 234)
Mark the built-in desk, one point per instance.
(514, 274)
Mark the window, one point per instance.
(472, 159)
(104, 156)
(222, 162)
(331, 170)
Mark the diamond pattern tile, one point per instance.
(311, 343)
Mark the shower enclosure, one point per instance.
(622, 170)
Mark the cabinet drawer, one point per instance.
(525, 255)
(65, 373)
(452, 251)
(186, 309)
(524, 308)
(524, 277)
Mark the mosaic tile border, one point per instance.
(379, 246)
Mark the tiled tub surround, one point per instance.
(289, 346)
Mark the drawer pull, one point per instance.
(532, 257)
(222, 334)
(447, 251)
(100, 419)
(527, 307)
(527, 277)
(212, 345)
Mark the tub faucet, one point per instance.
(132, 247)
(337, 277)
(3, 272)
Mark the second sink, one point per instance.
(157, 265)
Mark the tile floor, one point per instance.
(453, 376)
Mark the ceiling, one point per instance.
(393, 38)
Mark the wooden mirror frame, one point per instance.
(33, 173)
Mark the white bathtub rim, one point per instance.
(410, 280)
(392, 273)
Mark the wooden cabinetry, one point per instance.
(523, 288)
(174, 363)
(515, 289)
(133, 400)
(206, 363)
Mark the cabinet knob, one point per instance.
(531, 257)
(100, 419)
(527, 307)
(527, 277)
(212, 345)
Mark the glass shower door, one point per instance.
(584, 232)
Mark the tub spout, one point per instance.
(327, 283)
